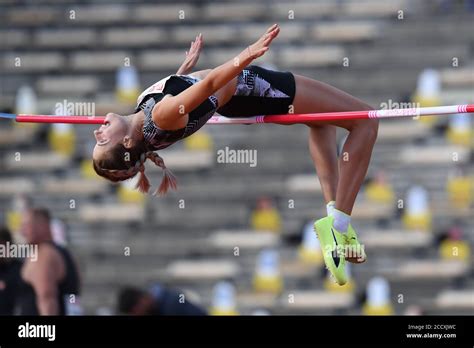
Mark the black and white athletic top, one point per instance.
(157, 138)
(259, 92)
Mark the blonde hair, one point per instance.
(112, 168)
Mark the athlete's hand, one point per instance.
(262, 45)
(192, 56)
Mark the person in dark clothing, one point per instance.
(49, 285)
(9, 275)
(159, 301)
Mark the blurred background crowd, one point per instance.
(235, 239)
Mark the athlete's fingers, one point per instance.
(271, 28)
(272, 36)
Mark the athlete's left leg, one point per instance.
(322, 147)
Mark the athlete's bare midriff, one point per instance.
(224, 94)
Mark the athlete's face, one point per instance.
(112, 132)
(34, 228)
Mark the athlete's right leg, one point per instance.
(314, 96)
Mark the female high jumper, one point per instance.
(179, 105)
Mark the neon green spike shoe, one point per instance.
(355, 252)
(332, 245)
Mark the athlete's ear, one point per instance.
(127, 142)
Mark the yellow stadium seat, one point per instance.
(455, 250)
(331, 286)
(421, 222)
(198, 142)
(267, 220)
(223, 301)
(427, 102)
(127, 96)
(309, 250)
(428, 92)
(417, 213)
(460, 130)
(13, 220)
(377, 310)
(226, 312)
(62, 141)
(310, 256)
(269, 284)
(87, 170)
(460, 191)
(127, 194)
(379, 192)
(378, 298)
(458, 137)
(267, 277)
(128, 88)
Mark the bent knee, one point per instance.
(372, 127)
(369, 127)
(373, 124)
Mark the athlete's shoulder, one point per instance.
(157, 87)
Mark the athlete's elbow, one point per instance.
(211, 83)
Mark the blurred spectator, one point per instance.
(378, 298)
(266, 217)
(453, 247)
(223, 299)
(379, 189)
(162, 301)
(49, 284)
(267, 277)
(417, 214)
(9, 274)
(22, 204)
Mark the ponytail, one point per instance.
(169, 180)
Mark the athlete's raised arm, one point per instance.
(170, 112)
(192, 56)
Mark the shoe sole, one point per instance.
(356, 260)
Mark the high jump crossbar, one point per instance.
(280, 119)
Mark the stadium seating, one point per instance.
(188, 238)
